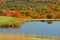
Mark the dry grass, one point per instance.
(23, 37)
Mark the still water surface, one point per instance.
(37, 28)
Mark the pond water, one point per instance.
(37, 28)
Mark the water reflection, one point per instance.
(37, 28)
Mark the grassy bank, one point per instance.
(23, 37)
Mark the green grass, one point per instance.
(5, 19)
(15, 22)
(10, 20)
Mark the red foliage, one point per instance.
(54, 16)
(44, 16)
(18, 14)
(8, 12)
(25, 16)
(38, 16)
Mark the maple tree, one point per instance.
(8, 13)
(18, 14)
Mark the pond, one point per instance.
(37, 29)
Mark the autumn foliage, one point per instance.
(18, 14)
(38, 16)
(54, 15)
(7, 12)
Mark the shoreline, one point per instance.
(23, 37)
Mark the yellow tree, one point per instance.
(30, 12)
